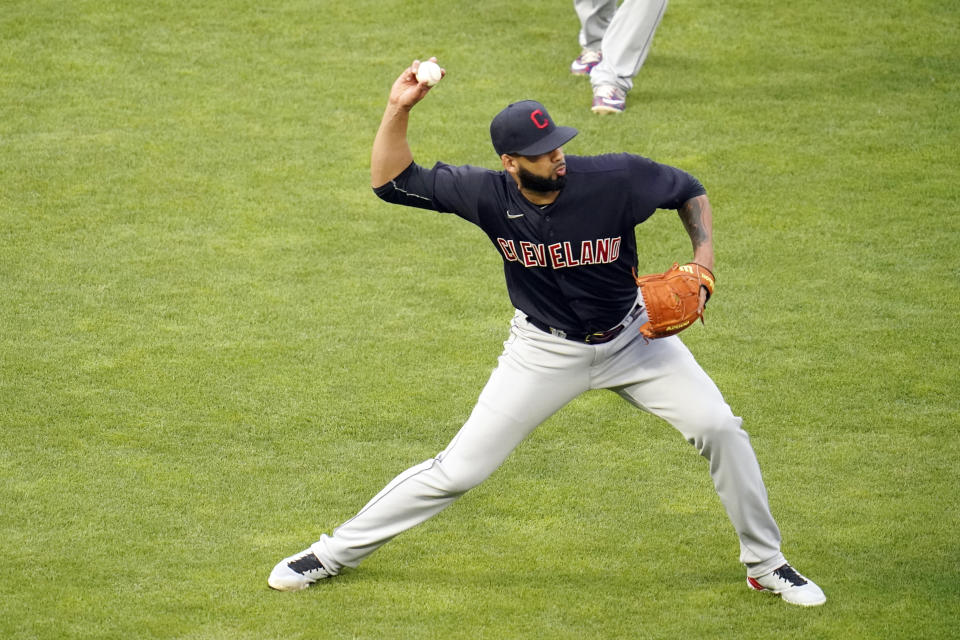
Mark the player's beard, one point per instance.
(533, 182)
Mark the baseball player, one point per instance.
(615, 38)
(564, 227)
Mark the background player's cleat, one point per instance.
(789, 585)
(585, 62)
(297, 572)
(608, 99)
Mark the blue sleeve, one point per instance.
(412, 188)
(444, 188)
(661, 186)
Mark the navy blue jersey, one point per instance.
(569, 264)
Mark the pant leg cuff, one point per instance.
(757, 569)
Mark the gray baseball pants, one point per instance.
(622, 33)
(537, 374)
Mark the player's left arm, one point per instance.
(697, 217)
(660, 186)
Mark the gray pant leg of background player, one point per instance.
(623, 34)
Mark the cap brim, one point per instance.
(557, 138)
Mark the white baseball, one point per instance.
(429, 72)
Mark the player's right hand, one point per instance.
(406, 90)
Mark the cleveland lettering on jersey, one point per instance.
(560, 254)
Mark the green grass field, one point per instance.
(216, 343)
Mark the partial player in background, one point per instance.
(564, 228)
(614, 43)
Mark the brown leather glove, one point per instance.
(672, 298)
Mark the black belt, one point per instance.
(598, 337)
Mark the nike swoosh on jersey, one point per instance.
(513, 215)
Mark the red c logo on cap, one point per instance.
(542, 122)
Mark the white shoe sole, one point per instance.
(605, 110)
(800, 596)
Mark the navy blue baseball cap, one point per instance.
(526, 129)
